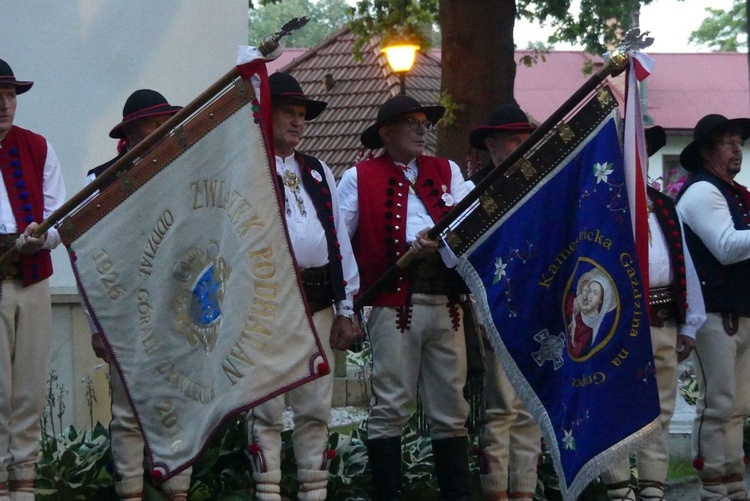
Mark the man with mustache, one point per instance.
(715, 212)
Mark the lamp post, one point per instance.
(400, 56)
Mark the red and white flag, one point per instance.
(636, 156)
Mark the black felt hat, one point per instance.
(143, 103)
(504, 118)
(284, 85)
(707, 128)
(390, 111)
(656, 138)
(8, 78)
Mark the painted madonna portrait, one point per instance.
(586, 312)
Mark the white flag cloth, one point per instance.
(185, 266)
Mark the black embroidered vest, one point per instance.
(725, 287)
(666, 215)
(320, 193)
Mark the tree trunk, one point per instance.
(478, 66)
(747, 29)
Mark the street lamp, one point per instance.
(400, 56)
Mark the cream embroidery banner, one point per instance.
(185, 266)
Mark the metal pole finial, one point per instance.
(271, 43)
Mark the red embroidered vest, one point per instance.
(22, 160)
(380, 239)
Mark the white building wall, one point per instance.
(85, 58)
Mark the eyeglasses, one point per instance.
(731, 143)
(415, 124)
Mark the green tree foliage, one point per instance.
(723, 30)
(326, 16)
(596, 25)
(478, 50)
(388, 19)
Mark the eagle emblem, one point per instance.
(197, 304)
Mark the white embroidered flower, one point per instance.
(499, 270)
(601, 171)
(569, 442)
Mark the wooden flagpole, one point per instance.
(614, 66)
(121, 165)
(267, 46)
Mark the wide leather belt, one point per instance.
(428, 276)
(11, 269)
(318, 287)
(8, 240)
(663, 303)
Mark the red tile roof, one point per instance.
(681, 89)
(359, 88)
(685, 87)
(284, 59)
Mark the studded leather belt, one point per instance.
(663, 302)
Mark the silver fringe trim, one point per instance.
(599, 463)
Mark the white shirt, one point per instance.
(417, 217)
(306, 233)
(660, 274)
(54, 196)
(704, 209)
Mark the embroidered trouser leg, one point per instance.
(430, 353)
(510, 438)
(311, 404)
(653, 458)
(126, 441)
(722, 366)
(25, 338)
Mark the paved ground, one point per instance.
(687, 489)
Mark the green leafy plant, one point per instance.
(687, 384)
(75, 466)
(223, 470)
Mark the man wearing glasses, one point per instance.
(416, 324)
(715, 211)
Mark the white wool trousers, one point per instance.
(430, 353)
(311, 404)
(25, 338)
(510, 439)
(653, 459)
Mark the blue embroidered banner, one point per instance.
(558, 287)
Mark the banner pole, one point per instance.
(614, 66)
(267, 46)
(111, 173)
